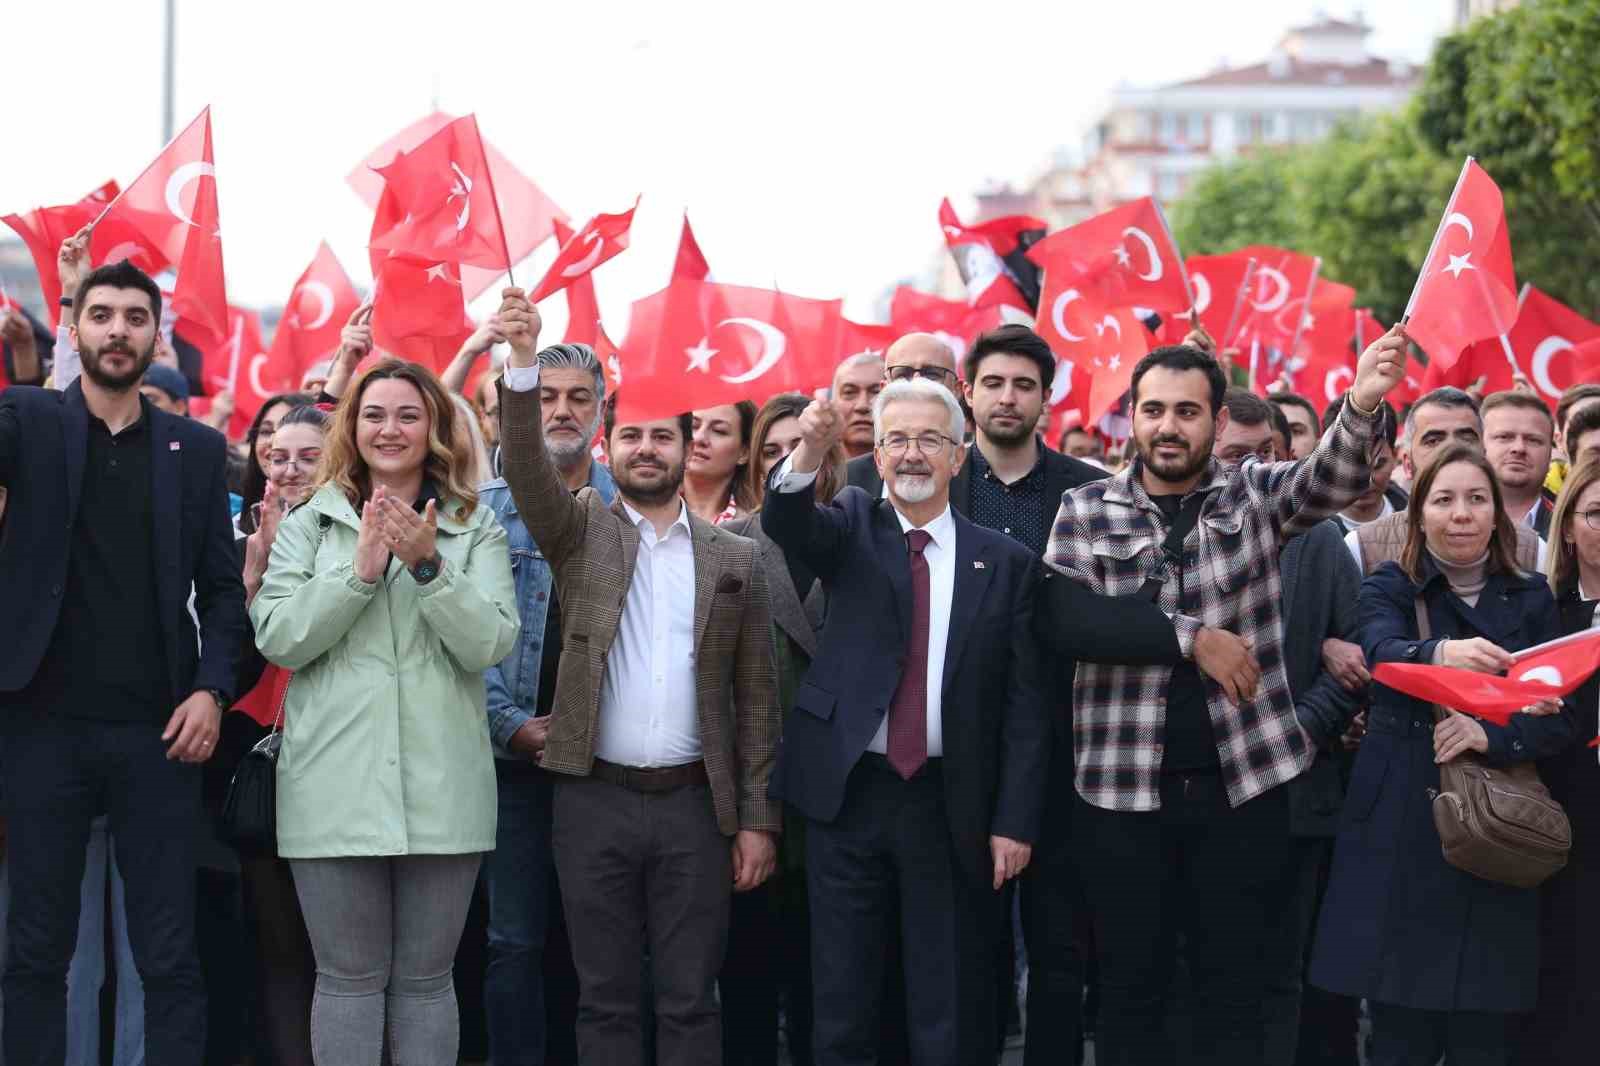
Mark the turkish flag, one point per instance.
(418, 312)
(1219, 284)
(601, 238)
(44, 229)
(236, 361)
(527, 215)
(1545, 671)
(1325, 361)
(1542, 340)
(171, 210)
(952, 321)
(856, 338)
(698, 344)
(690, 263)
(991, 257)
(1272, 312)
(1069, 398)
(583, 307)
(445, 195)
(1125, 257)
(1467, 290)
(1104, 342)
(319, 305)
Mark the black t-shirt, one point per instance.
(1190, 743)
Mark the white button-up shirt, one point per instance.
(647, 697)
(940, 555)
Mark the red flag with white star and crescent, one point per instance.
(1467, 289)
(1103, 342)
(45, 228)
(1125, 257)
(601, 238)
(319, 305)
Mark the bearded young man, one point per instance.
(1180, 776)
(117, 511)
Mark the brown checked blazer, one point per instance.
(591, 548)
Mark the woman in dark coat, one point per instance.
(1561, 1031)
(1445, 958)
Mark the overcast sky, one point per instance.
(809, 142)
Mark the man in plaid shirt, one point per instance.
(1182, 826)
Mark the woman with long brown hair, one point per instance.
(714, 485)
(1445, 958)
(1558, 1033)
(388, 594)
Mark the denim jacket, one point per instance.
(513, 685)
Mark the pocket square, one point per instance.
(729, 584)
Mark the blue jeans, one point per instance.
(87, 974)
(518, 874)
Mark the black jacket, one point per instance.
(43, 442)
(992, 709)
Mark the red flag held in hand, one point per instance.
(1106, 343)
(690, 263)
(1543, 339)
(1467, 290)
(1267, 326)
(417, 311)
(444, 194)
(991, 258)
(1125, 257)
(1547, 671)
(527, 215)
(952, 321)
(236, 361)
(1325, 357)
(44, 229)
(699, 344)
(600, 239)
(583, 307)
(1218, 282)
(319, 305)
(172, 210)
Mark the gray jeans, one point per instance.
(384, 931)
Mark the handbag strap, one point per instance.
(1425, 632)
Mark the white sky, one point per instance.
(810, 142)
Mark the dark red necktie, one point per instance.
(908, 714)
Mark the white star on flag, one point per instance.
(1116, 361)
(700, 356)
(1123, 258)
(1458, 263)
(439, 271)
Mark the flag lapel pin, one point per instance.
(977, 564)
(173, 446)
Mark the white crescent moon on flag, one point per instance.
(1058, 310)
(1109, 321)
(586, 264)
(181, 177)
(259, 361)
(1337, 381)
(1061, 387)
(1541, 363)
(1456, 218)
(324, 297)
(1280, 297)
(1544, 675)
(773, 343)
(1150, 247)
(129, 250)
(1202, 291)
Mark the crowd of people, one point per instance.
(857, 728)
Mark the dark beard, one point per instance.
(116, 382)
(1022, 432)
(1181, 470)
(650, 497)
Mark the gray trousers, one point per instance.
(384, 932)
(637, 871)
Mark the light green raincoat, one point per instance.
(386, 744)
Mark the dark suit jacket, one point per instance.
(44, 438)
(592, 547)
(1061, 472)
(993, 718)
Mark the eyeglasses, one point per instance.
(283, 462)
(927, 443)
(927, 373)
(1592, 517)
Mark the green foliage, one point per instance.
(1520, 91)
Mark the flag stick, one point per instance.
(1305, 311)
(488, 170)
(1433, 246)
(1183, 267)
(1559, 642)
(1228, 336)
(205, 112)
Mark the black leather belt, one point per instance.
(650, 779)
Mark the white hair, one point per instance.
(859, 359)
(918, 390)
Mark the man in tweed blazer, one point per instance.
(665, 724)
(1183, 815)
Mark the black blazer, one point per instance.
(993, 717)
(43, 441)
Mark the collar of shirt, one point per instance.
(1128, 488)
(647, 529)
(982, 469)
(1531, 519)
(132, 429)
(942, 529)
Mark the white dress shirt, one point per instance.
(940, 555)
(647, 697)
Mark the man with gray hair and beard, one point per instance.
(521, 694)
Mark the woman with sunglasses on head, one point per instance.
(389, 593)
(1559, 1033)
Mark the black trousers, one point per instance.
(1054, 929)
(1196, 867)
(891, 843)
(60, 773)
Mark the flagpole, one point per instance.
(1558, 642)
(1238, 304)
(1433, 246)
(204, 112)
(488, 170)
(1183, 267)
(1305, 312)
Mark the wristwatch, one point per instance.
(427, 569)
(221, 698)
